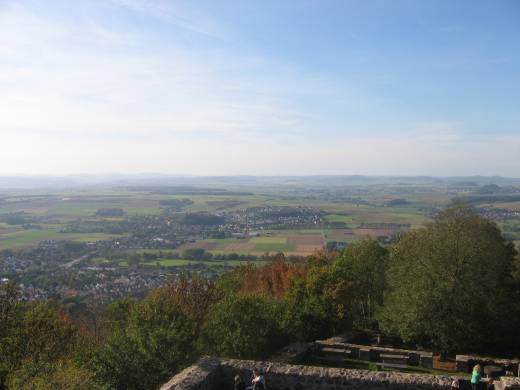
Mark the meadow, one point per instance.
(161, 262)
(31, 237)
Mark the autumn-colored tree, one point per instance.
(274, 279)
(193, 294)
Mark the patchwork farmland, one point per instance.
(297, 243)
(286, 219)
(118, 241)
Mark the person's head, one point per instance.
(237, 378)
(256, 372)
(476, 368)
(491, 380)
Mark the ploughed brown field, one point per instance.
(306, 240)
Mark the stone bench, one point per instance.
(335, 351)
(394, 359)
(373, 353)
(392, 365)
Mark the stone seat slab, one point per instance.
(391, 365)
(335, 351)
(388, 356)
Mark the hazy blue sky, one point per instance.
(260, 87)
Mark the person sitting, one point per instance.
(491, 384)
(258, 380)
(239, 383)
(455, 385)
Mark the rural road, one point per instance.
(78, 260)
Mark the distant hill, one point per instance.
(163, 180)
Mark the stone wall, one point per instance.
(295, 377)
(508, 383)
(465, 363)
(215, 374)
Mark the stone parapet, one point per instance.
(205, 375)
(218, 374)
(295, 377)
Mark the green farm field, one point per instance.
(27, 238)
(290, 242)
(184, 262)
(346, 219)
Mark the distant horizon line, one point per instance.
(11, 175)
(188, 175)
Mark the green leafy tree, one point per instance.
(232, 281)
(117, 313)
(34, 337)
(310, 316)
(157, 341)
(117, 364)
(10, 322)
(61, 375)
(359, 272)
(244, 326)
(47, 333)
(38, 332)
(449, 283)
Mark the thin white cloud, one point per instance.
(89, 97)
(70, 86)
(172, 13)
